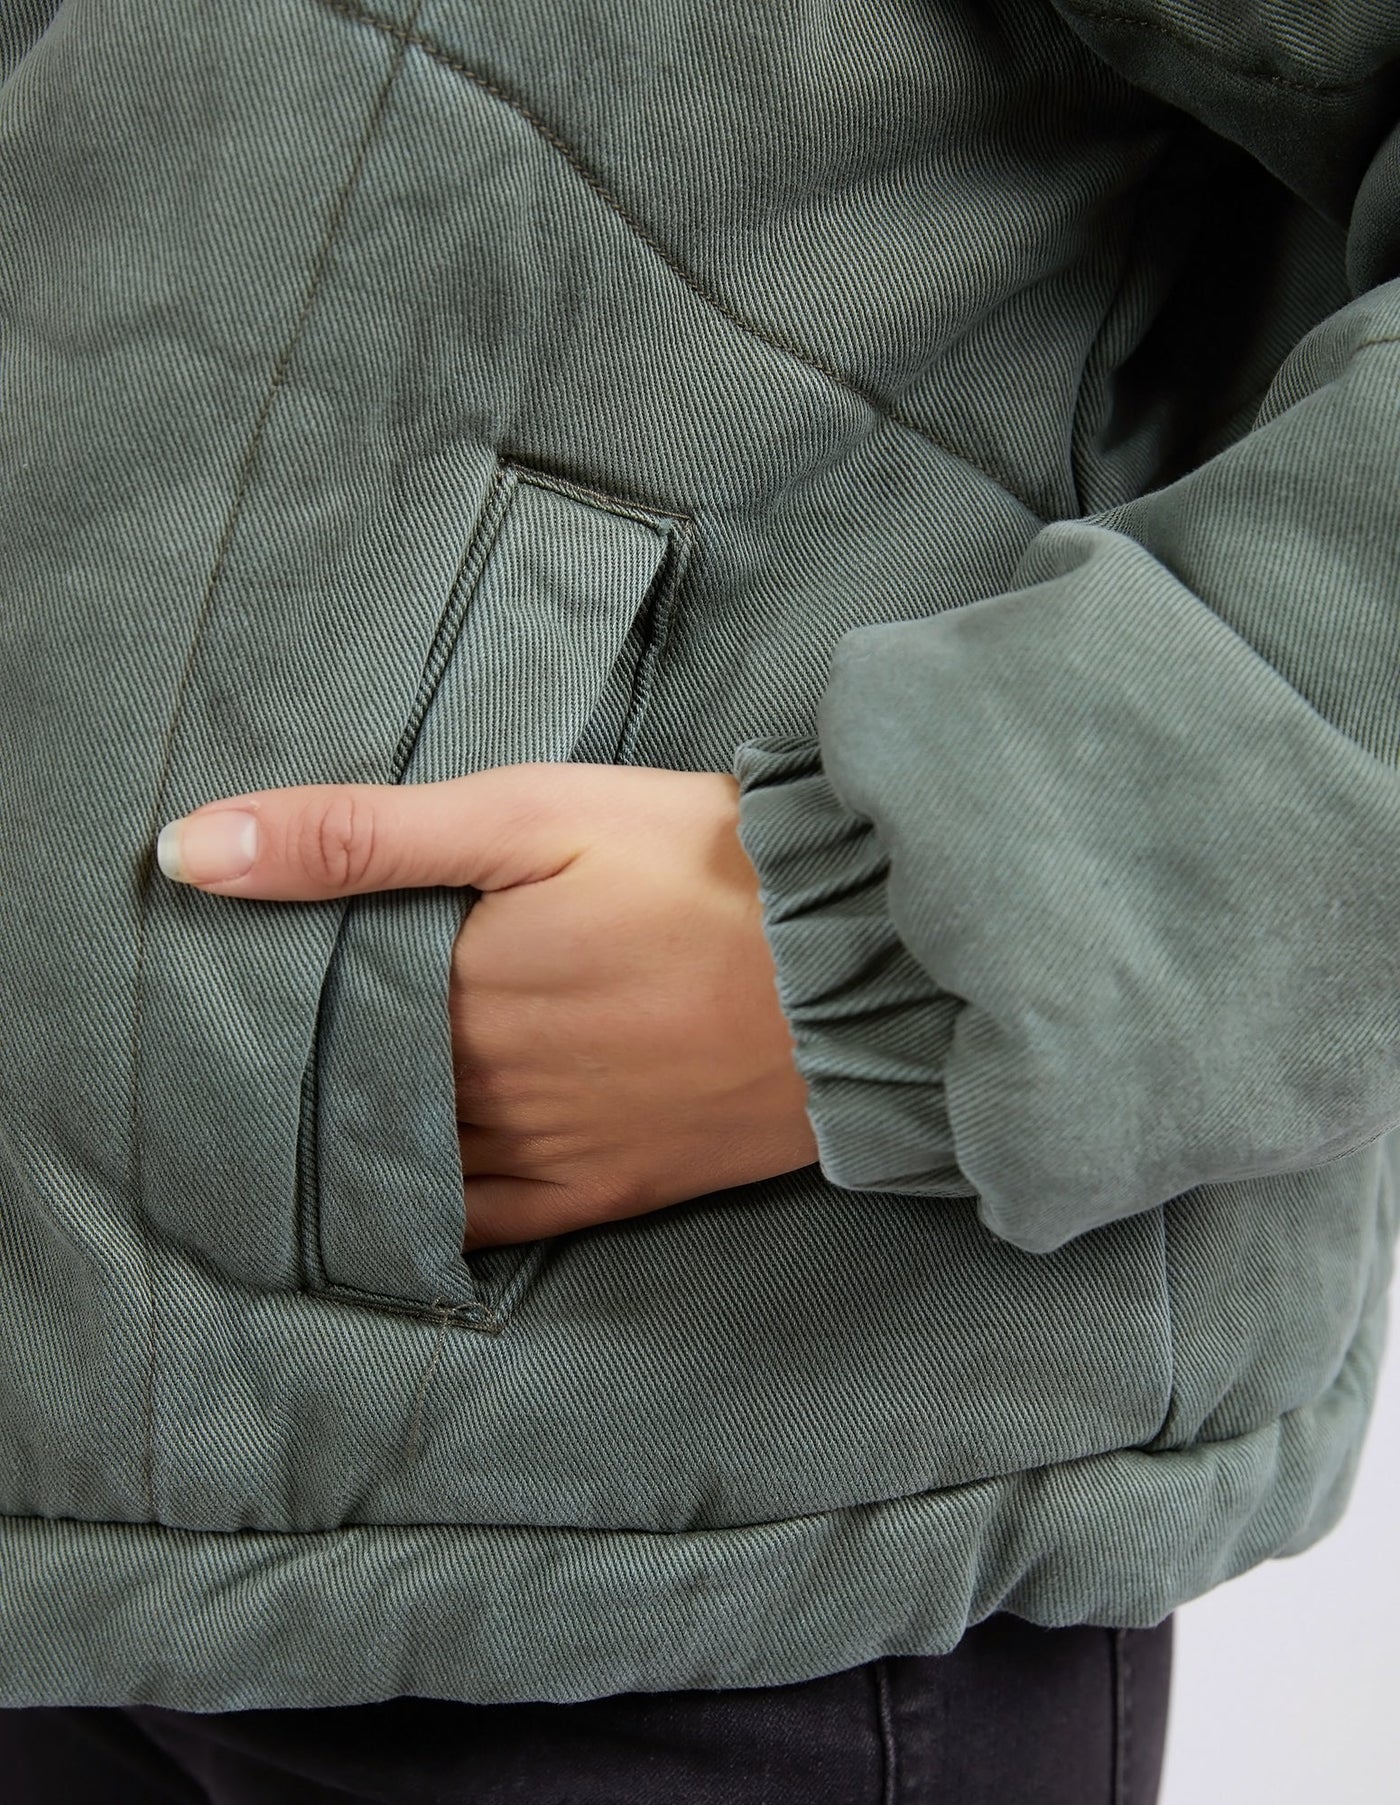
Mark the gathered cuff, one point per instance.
(870, 1027)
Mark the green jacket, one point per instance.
(973, 424)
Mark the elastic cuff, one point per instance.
(870, 1027)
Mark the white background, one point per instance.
(1286, 1688)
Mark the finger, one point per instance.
(487, 1152)
(502, 1211)
(512, 824)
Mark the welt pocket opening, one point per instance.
(546, 650)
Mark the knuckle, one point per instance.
(488, 1092)
(478, 1090)
(337, 840)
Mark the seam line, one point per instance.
(1263, 77)
(752, 328)
(660, 520)
(444, 1312)
(471, 567)
(145, 876)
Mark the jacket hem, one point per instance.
(113, 1613)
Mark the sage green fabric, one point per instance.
(972, 424)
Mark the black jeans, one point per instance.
(1013, 1716)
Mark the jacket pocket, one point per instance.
(545, 652)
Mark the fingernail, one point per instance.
(208, 849)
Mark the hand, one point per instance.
(617, 1038)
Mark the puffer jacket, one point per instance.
(971, 423)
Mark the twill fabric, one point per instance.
(1038, 1716)
(970, 423)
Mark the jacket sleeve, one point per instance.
(1087, 893)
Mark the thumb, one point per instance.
(509, 825)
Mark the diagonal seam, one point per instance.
(135, 1175)
(439, 53)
